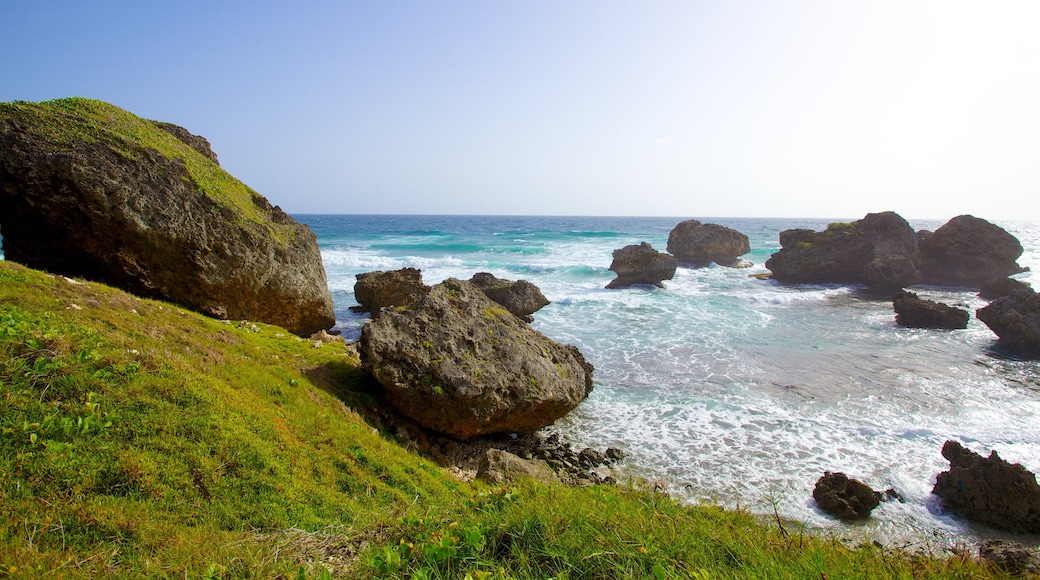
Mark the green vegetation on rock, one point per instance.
(138, 439)
(72, 122)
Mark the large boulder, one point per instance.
(1016, 320)
(90, 190)
(844, 497)
(701, 244)
(641, 264)
(459, 363)
(989, 490)
(377, 290)
(913, 312)
(878, 250)
(968, 251)
(1011, 557)
(521, 297)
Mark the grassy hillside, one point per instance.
(141, 440)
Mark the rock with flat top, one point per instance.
(700, 244)
(641, 264)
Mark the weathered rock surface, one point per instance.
(459, 363)
(89, 190)
(1001, 287)
(1016, 320)
(641, 264)
(1011, 557)
(968, 251)
(501, 467)
(521, 297)
(376, 290)
(846, 253)
(701, 244)
(989, 490)
(844, 497)
(914, 312)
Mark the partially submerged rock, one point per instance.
(989, 490)
(377, 290)
(641, 264)
(1016, 320)
(522, 298)
(914, 312)
(968, 251)
(878, 250)
(89, 190)
(700, 244)
(501, 467)
(844, 497)
(458, 363)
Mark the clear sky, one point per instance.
(781, 108)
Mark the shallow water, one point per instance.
(730, 389)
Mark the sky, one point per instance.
(742, 108)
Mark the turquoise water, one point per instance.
(730, 389)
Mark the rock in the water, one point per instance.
(89, 190)
(913, 312)
(968, 251)
(843, 497)
(1016, 320)
(1001, 287)
(501, 467)
(892, 272)
(522, 298)
(878, 250)
(376, 290)
(1011, 557)
(989, 490)
(641, 264)
(459, 363)
(701, 244)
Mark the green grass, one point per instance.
(141, 440)
(71, 123)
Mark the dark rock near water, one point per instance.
(1002, 287)
(989, 490)
(458, 363)
(501, 467)
(878, 250)
(1016, 320)
(377, 290)
(883, 252)
(891, 272)
(913, 312)
(89, 190)
(701, 244)
(522, 298)
(843, 497)
(968, 251)
(641, 264)
(1011, 557)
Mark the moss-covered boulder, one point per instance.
(90, 190)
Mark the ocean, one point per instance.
(732, 390)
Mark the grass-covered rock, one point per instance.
(139, 439)
(88, 189)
